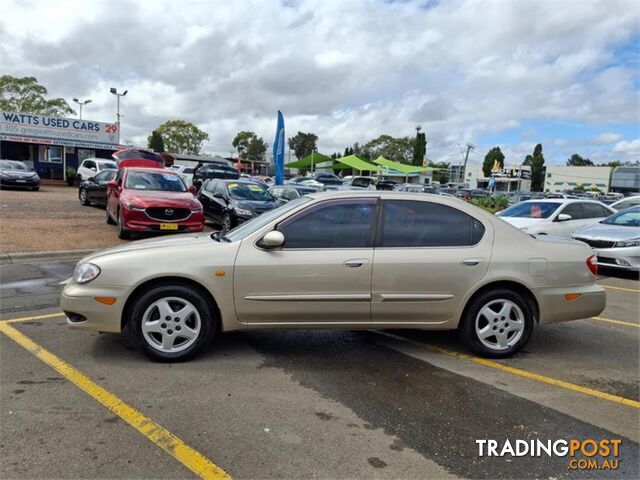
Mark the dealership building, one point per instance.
(50, 145)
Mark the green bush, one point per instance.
(71, 175)
(491, 204)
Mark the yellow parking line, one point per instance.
(521, 373)
(171, 444)
(36, 317)
(618, 322)
(611, 287)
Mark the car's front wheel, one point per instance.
(172, 322)
(497, 324)
(84, 198)
(227, 222)
(123, 233)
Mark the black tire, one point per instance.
(109, 219)
(469, 333)
(35, 189)
(227, 222)
(84, 197)
(123, 233)
(205, 310)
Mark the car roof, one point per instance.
(562, 200)
(149, 169)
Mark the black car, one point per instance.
(94, 190)
(231, 202)
(386, 185)
(16, 174)
(213, 170)
(286, 193)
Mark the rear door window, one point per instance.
(575, 210)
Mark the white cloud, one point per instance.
(348, 71)
(607, 137)
(629, 148)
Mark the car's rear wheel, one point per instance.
(123, 233)
(497, 323)
(172, 323)
(84, 198)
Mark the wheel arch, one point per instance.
(171, 280)
(508, 285)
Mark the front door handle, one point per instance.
(355, 263)
(472, 262)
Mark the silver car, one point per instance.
(615, 239)
(348, 260)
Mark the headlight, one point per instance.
(243, 212)
(133, 206)
(85, 272)
(197, 208)
(635, 242)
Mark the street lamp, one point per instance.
(118, 95)
(82, 104)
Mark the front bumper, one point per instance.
(84, 312)
(139, 221)
(627, 258)
(554, 307)
(19, 183)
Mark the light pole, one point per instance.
(82, 104)
(118, 95)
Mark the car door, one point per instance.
(113, 195)
(205, 196)
(564, 228)
(322, 273)
(98, 186)
(428, 255)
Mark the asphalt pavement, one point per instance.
(306, 404)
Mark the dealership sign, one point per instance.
(72, 132)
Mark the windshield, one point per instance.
(257, 223)
(167, 182)
(10, 165)
(626, 218)
(531, 210)
(248, 191)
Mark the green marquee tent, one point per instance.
(352, 161)
(313, 158)
(400, 167)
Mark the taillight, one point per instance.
(592, 264)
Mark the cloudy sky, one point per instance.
(512, 73)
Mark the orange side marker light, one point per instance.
(106, 300)
(572, 297)
(220, 273)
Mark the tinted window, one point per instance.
(575, 210)
(290, 194)
(531, 210)
(593, 210)
(629, 218)
(107, 165)
(343, 224)
(248, 191)
(168, 182)
(89, 164)
(105, 176)
(409, 223)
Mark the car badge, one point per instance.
(168, 212)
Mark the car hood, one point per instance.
(17, 173)
(181, 240)
(523, 222)
(602, 231)
(161, 199)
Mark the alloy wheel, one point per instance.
(171, 324)
(499, 324)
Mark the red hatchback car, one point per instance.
(152, 200)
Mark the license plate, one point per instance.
(168, 226)
(21, 181)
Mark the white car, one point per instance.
(185, 172)
(559, 217)
(626, 202)
(90, 167)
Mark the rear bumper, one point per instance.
(554, 307)
(84, 312)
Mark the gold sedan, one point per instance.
(348, 260)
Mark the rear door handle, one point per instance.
(472, 262)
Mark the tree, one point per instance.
(392, 148)
(250, 146)
(577, 161)
(441, 176)
(27, 95)
(155, 142)
(303, 144)
(419, 147)
(493, 155)
(180, 136)
(536, 162)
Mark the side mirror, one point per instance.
(193, 190)
(273, 239)
(563, 217)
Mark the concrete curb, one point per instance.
(28, 257)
